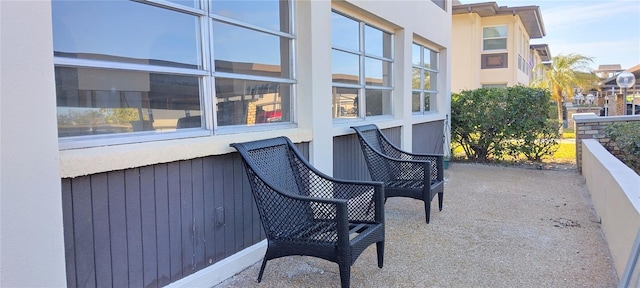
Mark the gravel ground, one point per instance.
(500, 227)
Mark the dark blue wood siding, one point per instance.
(348, 162)
(150, 226)
(428, 137)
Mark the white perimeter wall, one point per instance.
(31, 233)
(615, 194)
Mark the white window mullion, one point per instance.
(361, 92)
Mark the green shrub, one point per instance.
(626, 136)
(491, 123)
(538, 143)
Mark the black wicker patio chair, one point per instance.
(418, 176)
(305, 212)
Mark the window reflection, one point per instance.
(244, 102)
(345, 67)
(235, 51)
(494, 44)
(430, 59)
(494, 38)
(364, 70)
(125, 31)
(271, 14)
(345, 102)
(378, 102)
(100, 101)
(377, 72)
(427, 101)
(430, 80)
(415, 78)
(424, 82)
(344, 32)
(415, 101)
(116, 97)
(494, 32)
(415, 55)
(377, 42)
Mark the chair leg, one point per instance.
(440, 195)
(345, 273)
(427, 209)
(264, 264)
(380, 251)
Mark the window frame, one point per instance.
(362, 85)
(506, 39)
(206, 76)
(247, 128)
(433, 94)
(494, 85)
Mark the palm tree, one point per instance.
(566, 73)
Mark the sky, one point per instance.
(606, 30)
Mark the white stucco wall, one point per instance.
(31, 237)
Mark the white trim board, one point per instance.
(216, 273)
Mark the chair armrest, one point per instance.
(437, 162)
(411, 169)
(297, 205)
(339, 188)
(420, 156)
(360, 200)
(303, 198)
(365, 198)
(299, 217)
(406, 169)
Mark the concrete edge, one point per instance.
(226, 268)
(591, 117)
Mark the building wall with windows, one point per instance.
(135, 116)
(541, 56)
(491, 45)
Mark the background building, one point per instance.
(491, 45)
(611, 96)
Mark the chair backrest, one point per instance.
(275, 167)
(374, 137)
(374, 147)
(271, 160)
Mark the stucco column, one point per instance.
(31, 230)
(314, 79)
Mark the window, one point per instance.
(424, 83)
(500, 86)
(494, 38)
(494, 60)
(169, 69)
(361, 68)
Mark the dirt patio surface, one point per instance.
(500, 227)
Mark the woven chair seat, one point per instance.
(405, 184)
